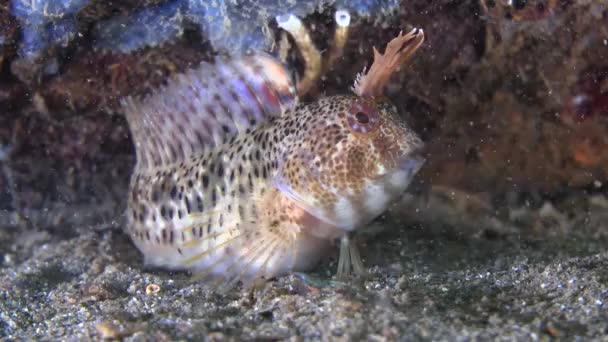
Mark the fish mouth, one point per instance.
(412, 162)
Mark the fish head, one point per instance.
(355, 157)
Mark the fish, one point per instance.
(237, 180)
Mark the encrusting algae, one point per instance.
(236, 181)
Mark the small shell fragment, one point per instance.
(152, 289)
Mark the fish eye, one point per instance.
(362, 116)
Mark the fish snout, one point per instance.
(412, 162)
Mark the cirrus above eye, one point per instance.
(362, 116)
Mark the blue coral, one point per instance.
(45, 23)
(147, 27)
(231, 26)
(369, 8)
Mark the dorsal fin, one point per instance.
(203, 107)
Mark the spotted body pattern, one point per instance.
(236, 180)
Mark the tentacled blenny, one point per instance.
(238, 181)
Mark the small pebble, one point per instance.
(152, 289)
